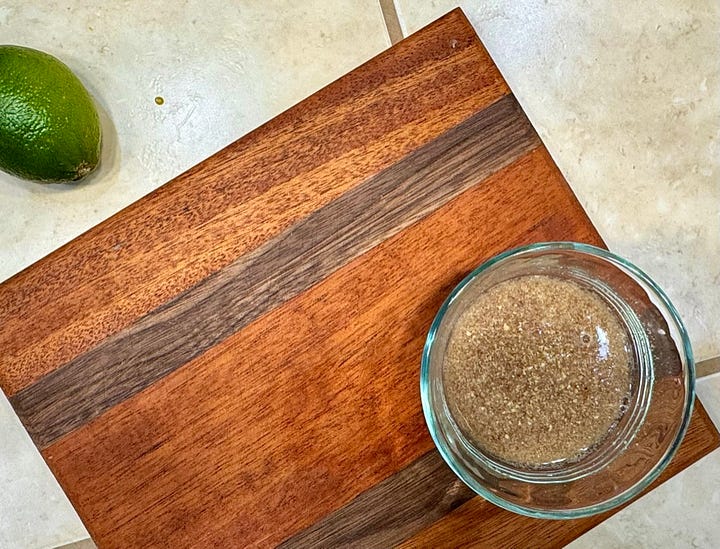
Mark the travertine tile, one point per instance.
(34, 512)
(682, 513)
(708, 390)
(679, 514)
(222, 68)
(688, 495)
(627, 100)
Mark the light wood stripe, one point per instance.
(397, 510)
(290, 415)
(185, 327)
(498, 528)
(240, 198)
(315, 402)
(391, 511)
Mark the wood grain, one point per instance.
(233, 361)
(312, 404)
(499, 528)
(284, 267)
(240, 198)
(392, 510)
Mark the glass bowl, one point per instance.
(638, 445)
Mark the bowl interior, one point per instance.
(658, 404)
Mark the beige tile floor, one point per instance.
(627, 101)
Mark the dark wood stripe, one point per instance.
(314, 403)
(175, 333)
(480, 524)
(391, 511)
(418, 497)
(236, 200)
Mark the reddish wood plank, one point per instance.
(285, 266)
(479, 523)
(312, 404)
(273, 424)
(391, 511)
(240, 198)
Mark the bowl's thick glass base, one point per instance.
(636, 449)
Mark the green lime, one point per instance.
(49, 126)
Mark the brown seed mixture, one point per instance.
(537, 370)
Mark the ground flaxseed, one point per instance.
(537, 370)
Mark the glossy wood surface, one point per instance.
(234, 360)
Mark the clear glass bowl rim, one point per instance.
(618, 499)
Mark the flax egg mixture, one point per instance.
(537, 370)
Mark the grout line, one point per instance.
(707, 367)
(392, 21)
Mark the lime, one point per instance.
(49, 126)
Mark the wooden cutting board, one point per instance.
(234, 360)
